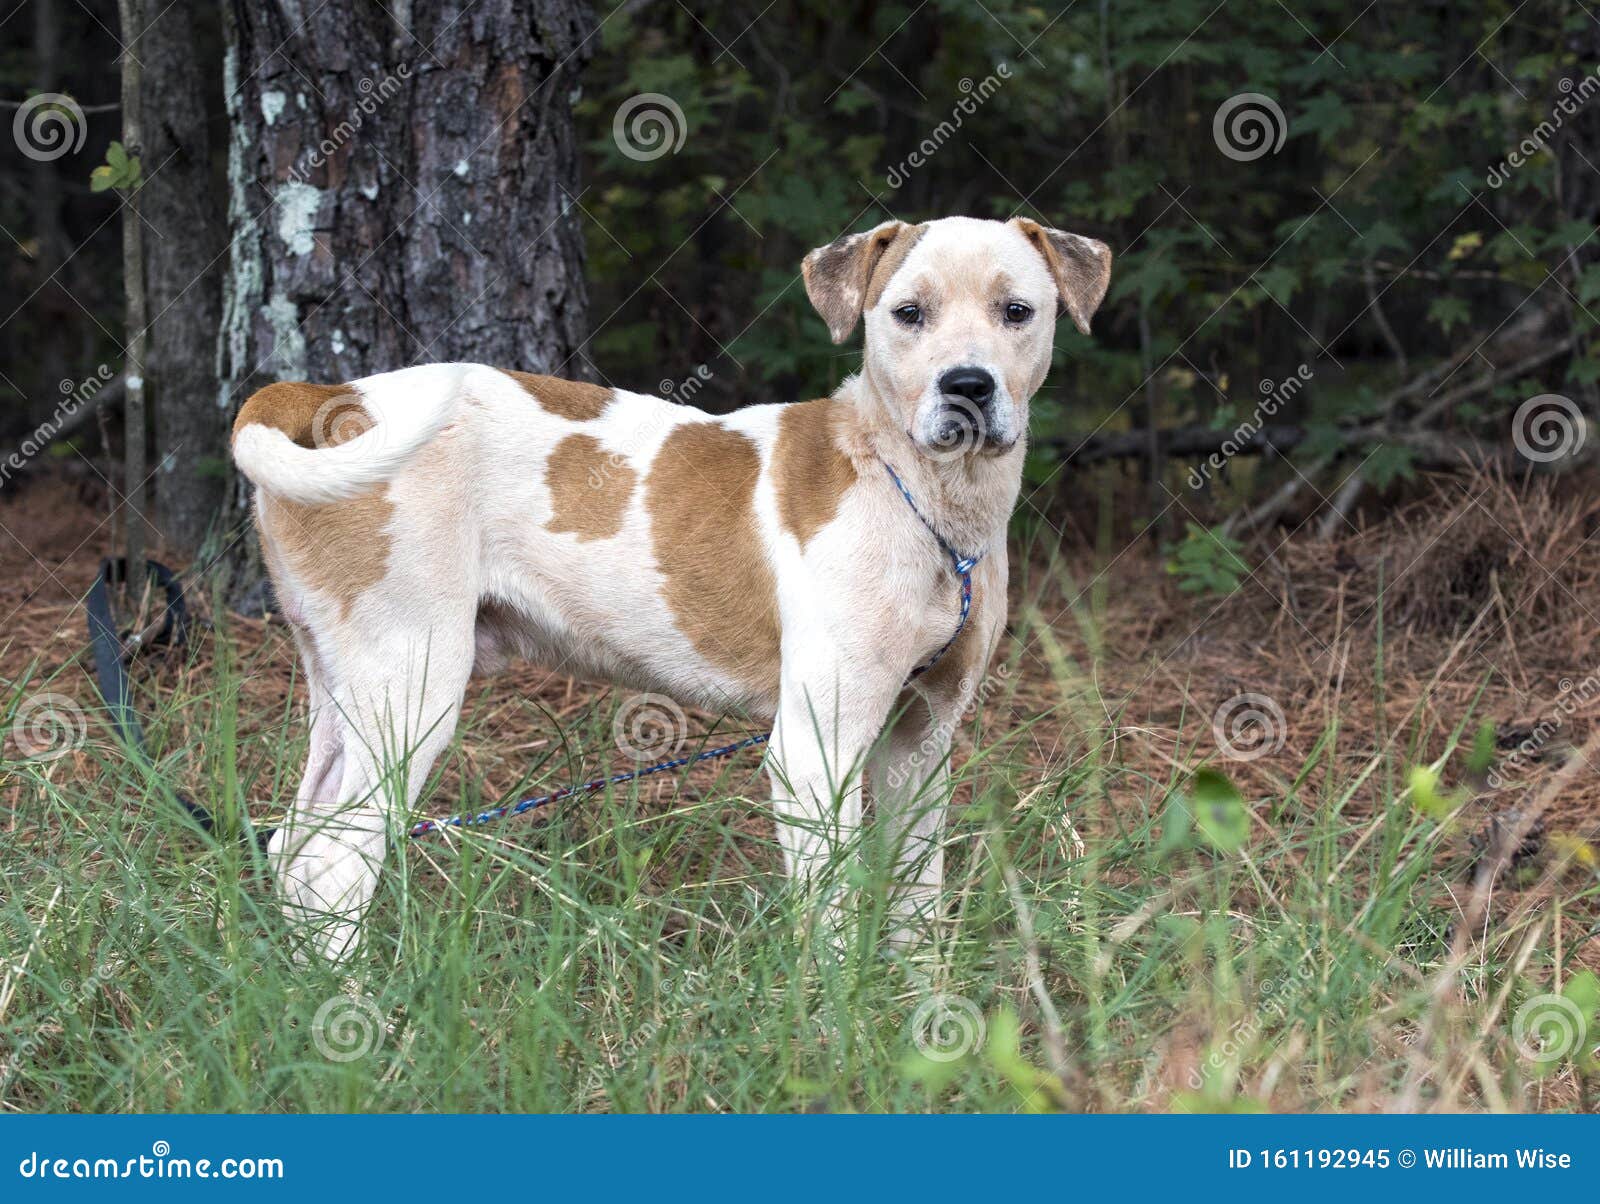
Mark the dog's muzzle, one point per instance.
(966, 420)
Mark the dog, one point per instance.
(793, 561)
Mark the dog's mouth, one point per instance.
(958, 429)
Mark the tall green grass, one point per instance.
(1281, 952)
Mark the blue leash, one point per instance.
(962, 566)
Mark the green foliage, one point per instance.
(1376, 210)
(1207, 561)
(638, 951)
(120, 171)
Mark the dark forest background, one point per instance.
(338, 190)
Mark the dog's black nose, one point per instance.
(976, 385)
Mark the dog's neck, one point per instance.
(968, 498)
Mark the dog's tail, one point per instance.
(316, 444)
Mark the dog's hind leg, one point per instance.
(319, 784)
(397, 704)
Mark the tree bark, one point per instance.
(133, 408)
(181, 203)
(399, 189)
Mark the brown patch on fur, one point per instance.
(574, 400)
(307, 413)
(1081, 268)
(589, 490)
(810, 471)
(893, 256)
(701, 497)
(341, 549)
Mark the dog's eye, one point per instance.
(908, 315)
(1017, 313)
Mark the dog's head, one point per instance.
(960, 317)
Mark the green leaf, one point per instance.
(1426, 796)
(1325, 116)
(1219, 810)
(1177, 826)
(1448, 311)
(1482, 749)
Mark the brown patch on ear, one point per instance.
(837, 276)
(1081, 268)
(893, 256)
(312, 415)
(701, 497)
(810, 472)
(341, 549)
(574, 400)
(589, 489)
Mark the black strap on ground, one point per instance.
(110, 657)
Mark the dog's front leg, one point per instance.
(910, 774)
(825, 726)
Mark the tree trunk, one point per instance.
(399, 189)
(183, 273)
(45, 190)
(134, 430)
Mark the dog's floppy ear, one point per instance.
(838, 274)
(1081, 268)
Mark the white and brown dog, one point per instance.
(429, 521)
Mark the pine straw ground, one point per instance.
(1476, 599)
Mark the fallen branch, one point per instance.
(1431, 449)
